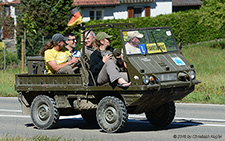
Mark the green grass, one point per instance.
(208, 59)
(7, 82)
(41, 138)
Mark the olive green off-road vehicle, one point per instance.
(159, 74)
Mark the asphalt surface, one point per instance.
(192, 122)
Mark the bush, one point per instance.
(187, 26)
(11, 59)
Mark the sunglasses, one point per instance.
(74, 40)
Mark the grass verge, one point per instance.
(209, 61)
(7, 82)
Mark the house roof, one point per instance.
(187, 2)
(135, 1)
(85, 3)
(11, 2)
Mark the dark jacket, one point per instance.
(96, 65)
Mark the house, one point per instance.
(122, 9)
(100, 9)
(182, 5)
(9, 13)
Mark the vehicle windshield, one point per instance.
(148, 41)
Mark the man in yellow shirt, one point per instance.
(56, 58)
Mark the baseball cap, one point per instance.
(58, 37)
(132, 34)
(102, 35)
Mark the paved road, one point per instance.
(192, 122)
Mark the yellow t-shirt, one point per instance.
(59, 56)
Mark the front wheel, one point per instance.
(162, 116)
(44, 113)
(111, 114)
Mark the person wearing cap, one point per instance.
(102, 63)
(56, 57)
(134, 40)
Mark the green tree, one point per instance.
(40, 18)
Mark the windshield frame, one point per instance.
(146, 32)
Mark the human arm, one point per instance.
(56, 67)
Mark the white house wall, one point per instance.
(158, 7)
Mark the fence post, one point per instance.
(4, 55)
(22, 56)
(25, 38)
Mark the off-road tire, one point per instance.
(89, 116)
(162, 116)
(111, 114)
(44, 113)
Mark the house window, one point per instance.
(7, 11)
(96, 14)
(137, 12)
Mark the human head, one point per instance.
(71, 40)
(134, 37)
(102, 39)
(59, 39)
(89, 38)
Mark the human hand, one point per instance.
(74, 60)
(107, 57)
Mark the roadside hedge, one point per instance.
(44, 18)
(187, 26)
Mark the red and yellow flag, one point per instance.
(75, 18)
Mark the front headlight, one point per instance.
(191, 74)
(145, 79)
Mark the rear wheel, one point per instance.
(44, 113)
(162, 116)
(111, 114)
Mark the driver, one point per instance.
(134, 40)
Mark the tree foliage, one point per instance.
(40, 18)
(46, 17)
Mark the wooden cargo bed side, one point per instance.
(65, 82)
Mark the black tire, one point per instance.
(44, 113)
(162, 116)
(89, 116)
(111, 114)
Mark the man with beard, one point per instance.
(56, 57)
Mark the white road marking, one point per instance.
(143, 117)
(15, 116)
(197, 104)
(6, 110)
(200, 119)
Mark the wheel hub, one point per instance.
(110, 115)
(43, 112)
